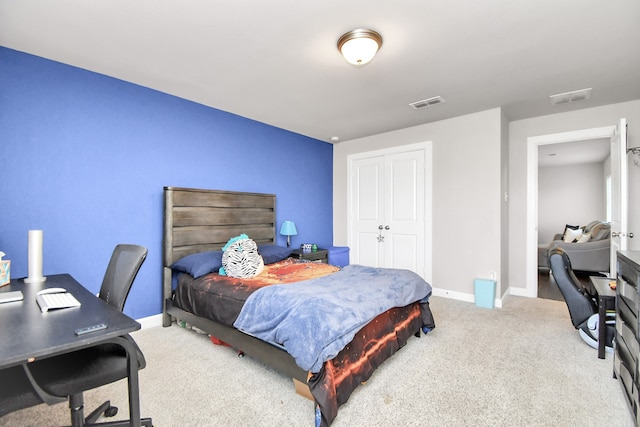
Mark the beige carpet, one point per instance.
(520, 365)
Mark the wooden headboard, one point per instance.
(204, 220)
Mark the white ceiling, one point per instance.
(277, 61)
(573, 153)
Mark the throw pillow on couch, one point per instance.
(571, 233)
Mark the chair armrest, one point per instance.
(142, 363)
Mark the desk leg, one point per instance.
(132, 381)
(134, 394)
(602, 327)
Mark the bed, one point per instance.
(200, 221)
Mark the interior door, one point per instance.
(619, 193)
(387, 221)
(367, 207)
(403, 229)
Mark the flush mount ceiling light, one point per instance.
(359, 46)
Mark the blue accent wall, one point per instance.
(85, 157)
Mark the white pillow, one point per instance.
(571, 235)
(584, 238)
(241, 258)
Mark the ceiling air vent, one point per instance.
(569, 97)
(427, 102)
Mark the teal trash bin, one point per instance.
(485, 290)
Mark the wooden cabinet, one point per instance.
(627, 340)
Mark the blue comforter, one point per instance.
(315, 319)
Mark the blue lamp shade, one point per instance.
(288, 229)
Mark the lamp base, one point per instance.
(34, 279)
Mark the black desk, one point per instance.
(27, 334)
(606, 301)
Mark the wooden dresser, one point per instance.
(627, 341)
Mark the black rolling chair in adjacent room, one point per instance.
(582, 308)
(67, 376)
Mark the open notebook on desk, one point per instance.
(58, 300)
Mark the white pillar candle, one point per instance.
(35, 257)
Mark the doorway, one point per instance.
(571, 190)
(533, 144)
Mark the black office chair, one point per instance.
(16, 391)
(68, 375)
(582, 308)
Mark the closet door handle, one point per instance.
(387, 227)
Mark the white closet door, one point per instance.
(367, 208)
(387, 210)
(404, 211)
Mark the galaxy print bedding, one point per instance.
(221, 299)
(371, 346)
(314, 319)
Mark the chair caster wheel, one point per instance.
(111, 411)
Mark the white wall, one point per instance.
(573, 194)
(470, 169)
(520, 130)
(469, 174)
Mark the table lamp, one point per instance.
(288, 229)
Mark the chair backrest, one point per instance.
(124, 265)
(580, 306)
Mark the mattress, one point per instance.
(220, 298)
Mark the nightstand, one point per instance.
(321, 255)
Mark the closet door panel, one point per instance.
(404, 211)
(367, 203)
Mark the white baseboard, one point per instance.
(151, 321)
(521, 292)
(461, 296)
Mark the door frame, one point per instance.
(427, 148)
(620, 195)
(531, 257)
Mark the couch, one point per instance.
(588, 246)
